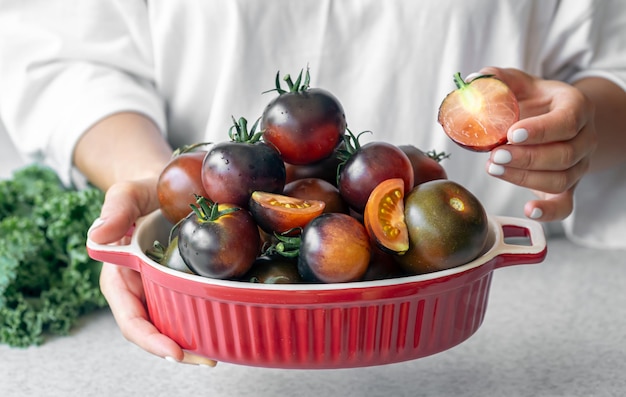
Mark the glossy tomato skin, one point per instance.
(335, 248)
(382, 266)
(178, 182)
(447, 226)
(231, 171)
(224, 248)
(425, 168)
(273, 270)
(305, 126)
(373, 163)
(277, 213)
(317, 189)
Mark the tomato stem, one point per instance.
(437, 156)
(189, 148)
(458, 80)
(156, 252)
(351, 146)
(239, 133)
(288, 247)
(208, 211)
(293, 87)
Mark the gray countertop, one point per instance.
(552, 329)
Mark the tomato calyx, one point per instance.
(437, 156)
(297, 86)
(286, 246)
(208, 211)
(350, 147)
(239, 133)
(156, 252)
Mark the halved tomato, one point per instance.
(277, 213)
(384, 216)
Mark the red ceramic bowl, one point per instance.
(322, 325)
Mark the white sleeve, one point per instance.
(64, 65)
(595, 46)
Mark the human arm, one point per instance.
(124, 154)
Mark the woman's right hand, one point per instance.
(124, 203)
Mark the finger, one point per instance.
(122, 289)
(550, 110)
(553, 182)
(123, 204)
(198, 360)
(557, 156)
(551, 207)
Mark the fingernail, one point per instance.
(171, 359)
(502, 156)
(536, 213)
(472, 76)
(519, 135)
(495, 169)
(96, 224)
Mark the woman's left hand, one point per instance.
(550, 146)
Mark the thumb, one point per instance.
(124, 202)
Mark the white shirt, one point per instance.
(191, 65)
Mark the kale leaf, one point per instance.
(47, 280)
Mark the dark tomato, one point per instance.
(279, 213)
(224, 247)
(317, 189)
(334, 248)
(325, 169)
(425, 167)
(233, 170)
(304, 124)
(179, 181)
(447, 227)
(273, 270)
(384, 216)
(371, 164)
(382, 266)
(169, 255)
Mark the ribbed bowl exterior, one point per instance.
(316, 325)
(380, 330)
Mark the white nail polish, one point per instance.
(519, 135)
(471, 76)
(495, 169)
(502, 156)
(96, 223)
(170, 359)
(536, 213)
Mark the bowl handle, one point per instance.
(523, 241)
(123, 255)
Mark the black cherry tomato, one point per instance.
(179, 181)
(277, 213)
(304, 124)
(317, 189)
(334, 248)
(232, 170)
(447, 226)
(218, 240)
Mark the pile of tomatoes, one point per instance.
(296, 198)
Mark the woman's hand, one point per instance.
(550, 146)
(122, 287)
